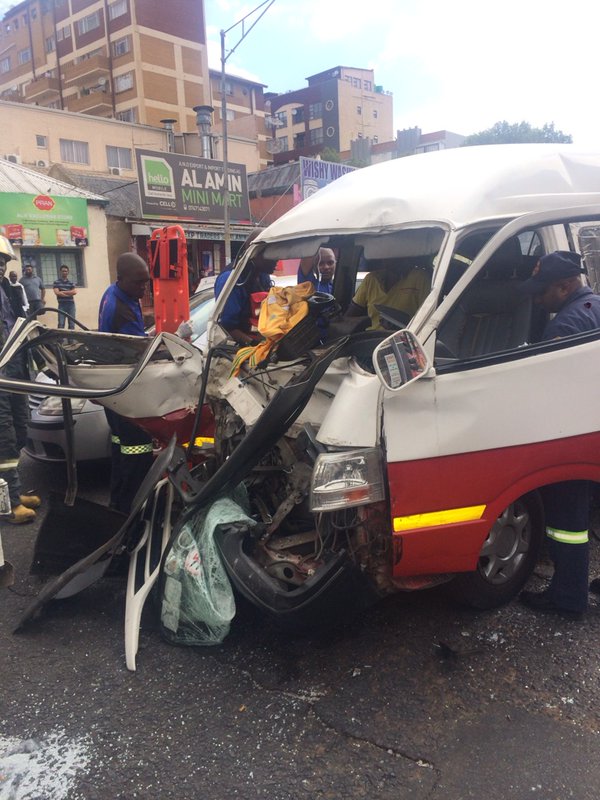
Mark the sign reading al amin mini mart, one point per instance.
(179, 187)
(43, 220)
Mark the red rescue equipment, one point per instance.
(168, 261)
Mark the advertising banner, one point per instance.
(40, 220)
(180, 187)
(314, 174)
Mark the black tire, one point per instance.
(507, 557)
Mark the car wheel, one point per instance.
(507, 557)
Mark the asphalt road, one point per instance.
(414, 699)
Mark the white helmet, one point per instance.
(6, 249)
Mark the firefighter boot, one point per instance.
(20, 514)
(30, 500)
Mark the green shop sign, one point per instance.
(42, 220)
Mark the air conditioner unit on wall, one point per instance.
(15, 158)
(115, 170)
(42, 163)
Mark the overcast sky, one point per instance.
(459, 65)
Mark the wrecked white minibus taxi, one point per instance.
(389, 451)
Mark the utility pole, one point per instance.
(266, 5)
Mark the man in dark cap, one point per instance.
(557, 286)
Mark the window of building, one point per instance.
(299, 141)
(359, 110)
(297, 115)
(367, 86)
(376, 140)
(118, 157)
(63, 33)
(41, 141)
(124, 82)
(89, 23)
(47, 263)
(282, 117)
(53, 104)
(121, 46)
(15, 24)
(315, 110)
(429, 148)
(5, 64)
(356, 82)
(50, 44)
(127, 115)
(375, 113)
(284, 146)
(228, 88)
(316, 136)
(24, 56)
(359, 135)
(74, 152)
(117, 9)
(34, 13)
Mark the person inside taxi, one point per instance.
(236, 316)
(399, 284)
(319, 270)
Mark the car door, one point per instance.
(486, 426)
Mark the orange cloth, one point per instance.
(283, 307)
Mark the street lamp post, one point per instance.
(266, 5)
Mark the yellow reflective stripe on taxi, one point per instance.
(201, 441)
(568, 537)
(434, 518)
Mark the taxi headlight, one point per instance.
(349, 478)
(52, 406)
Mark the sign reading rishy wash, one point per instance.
(43, 220)
(314, 174)
(180, 187)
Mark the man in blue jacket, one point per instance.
(120, 312)
(557, 286)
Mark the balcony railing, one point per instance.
(98, 103)
(89, 71)
(41, 90)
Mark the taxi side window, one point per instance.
(493, 315)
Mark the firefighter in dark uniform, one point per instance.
(557, 286)
(120, 312)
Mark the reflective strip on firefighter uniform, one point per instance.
(115, 439)
(567, 537)
(136, 449)
(11, 463)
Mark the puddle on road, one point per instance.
(31, 769)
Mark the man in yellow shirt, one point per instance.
(397, 284)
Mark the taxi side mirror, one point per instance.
(400, 360)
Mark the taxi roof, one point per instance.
(457, 187)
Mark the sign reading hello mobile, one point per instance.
(41, 220)
(179, 187)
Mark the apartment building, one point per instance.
(337, 106)
(135, 60)
(246, 128)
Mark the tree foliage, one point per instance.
(330, 154)
(507, 133)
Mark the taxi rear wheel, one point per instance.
(507, 557)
